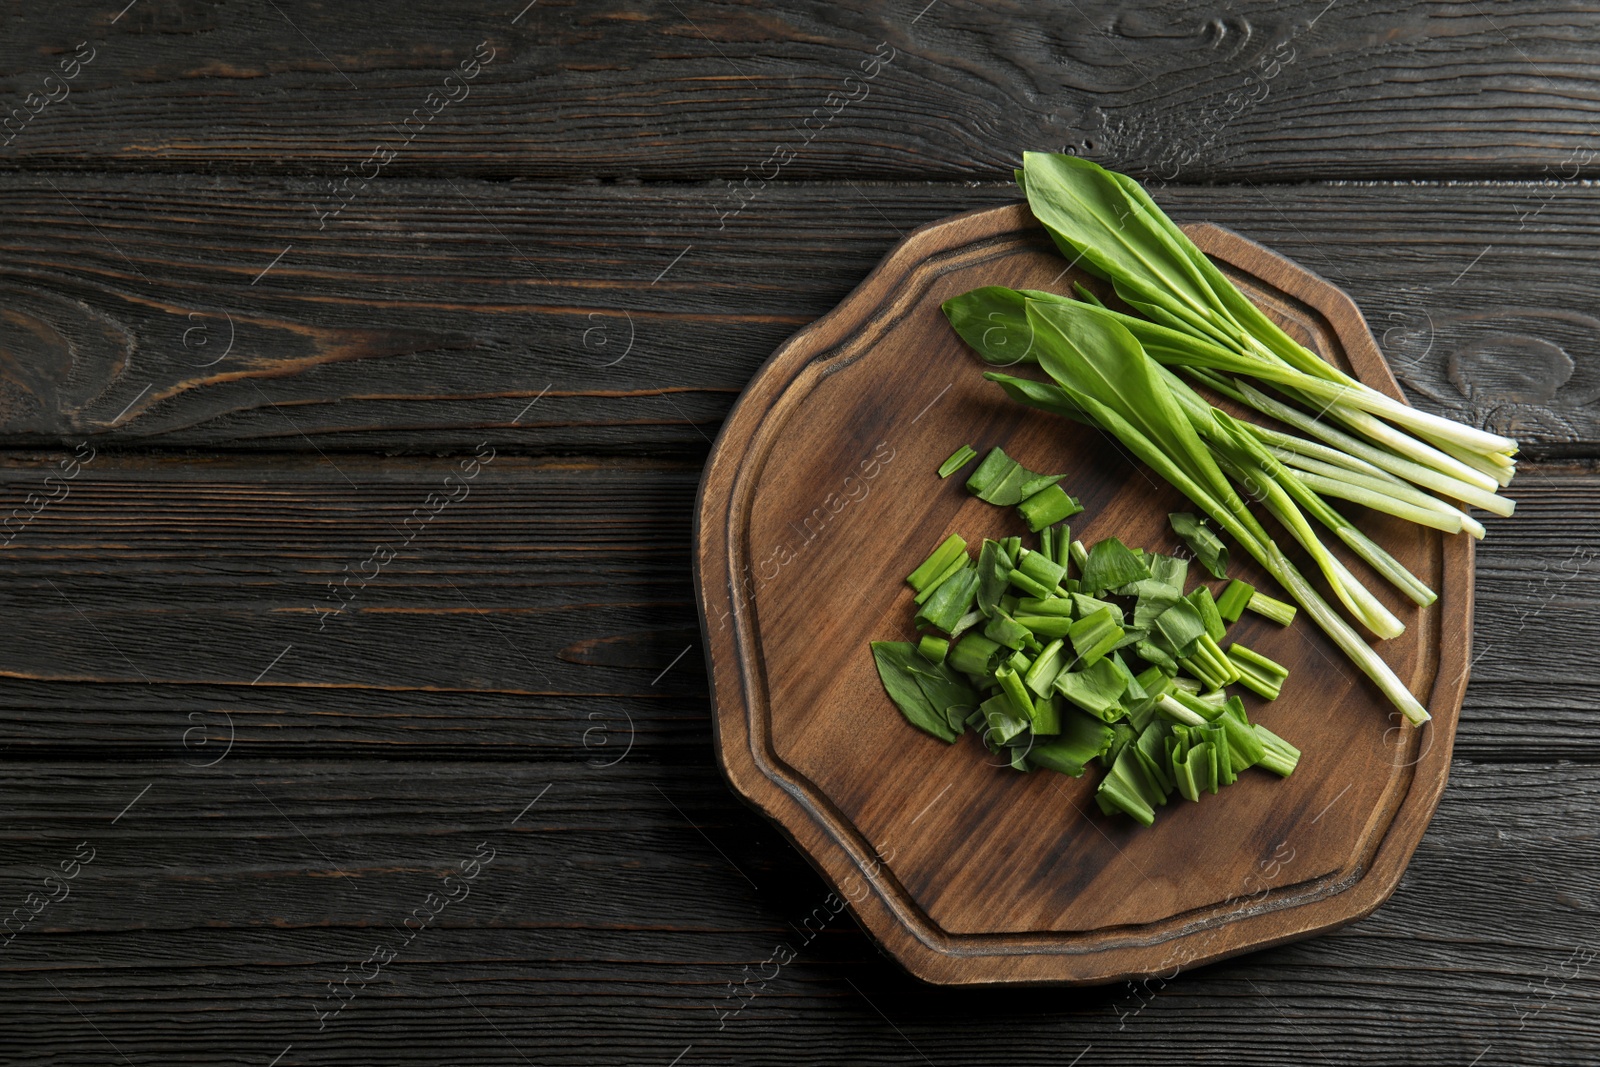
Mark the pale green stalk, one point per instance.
(1375, 556)
(1402, 500)
(1381, 433)
(1496, 465)
(1269, 556)
(1436, 428)
(1413, 472)
(1356, 494)
(1246, 457)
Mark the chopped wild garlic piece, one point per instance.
(1234, 599)
(1109, 564)
(1203, 602)
(1042, 569)
(1006, 630)
(958, 459)
(948, 604)
(1046, 507)
(1279, 756)
(1202, 541)
(1276, 610)
(971, 655)
(1046, 627)
(1256, 672)
(1095, 635)
(937, 564)
(1079, 739)
(1000, 479)
(1096, 689)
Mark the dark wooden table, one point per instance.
(357, 366)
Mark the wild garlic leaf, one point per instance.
(894, 660)
(1202, 541)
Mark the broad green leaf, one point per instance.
(1111, 565)
(894, 660)
(1084, 348)
(1098, 224)
(991, 319)
(1046, 396)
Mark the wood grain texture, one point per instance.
(616, 925)
(541, 609)
(668, 90)
(435, 312)
(1015, 879)
(426, 315)
(195, 566)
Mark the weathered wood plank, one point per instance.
(549, 611)
(159, 310)
(667, 90)
(174, 601)
(620, 908)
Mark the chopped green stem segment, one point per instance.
(1028, 585)
(1042, 569)
(1276, 610)
(933, 649)
(1041, 675)
(1048, 506)
(957, 565)
(1095, 635)
(1279, 757)
(1046, 627)
(1011, 685)
(971, 655)
(1207, 607)
(1234, 599)
(938, 563)
(1061, 549)
(1209, 664)
(958, 459)
(1256, 672)
(1006, 631)
(948, 604)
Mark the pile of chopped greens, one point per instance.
(1065, 655)
(1137, 376)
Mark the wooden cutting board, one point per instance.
(821, 494)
